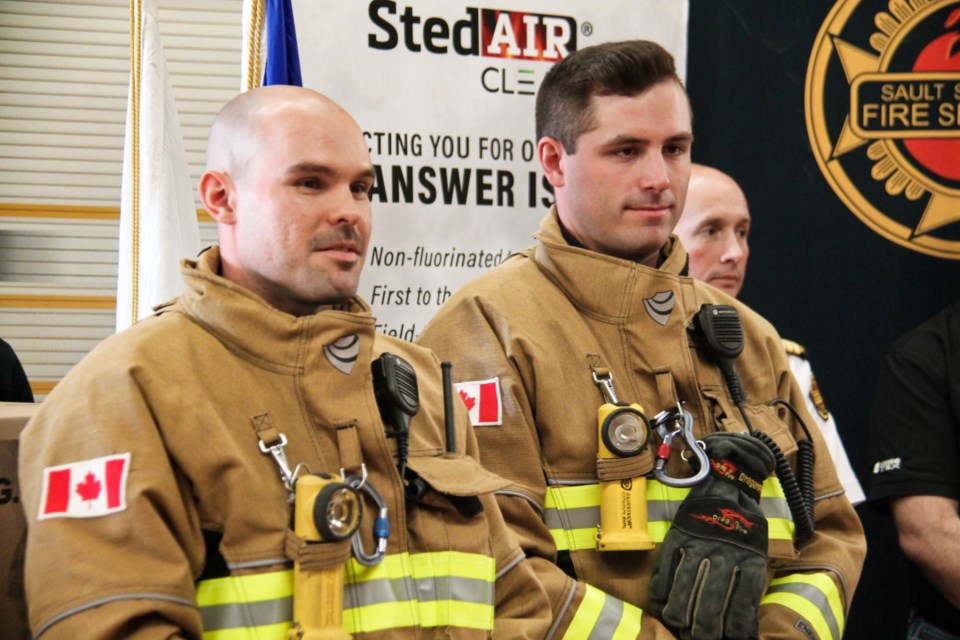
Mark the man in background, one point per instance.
(714, 229)
(915, 451)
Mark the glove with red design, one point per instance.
(710, 571)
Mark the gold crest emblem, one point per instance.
(882, 104)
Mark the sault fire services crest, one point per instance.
(883, 116)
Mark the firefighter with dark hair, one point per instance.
(597, 315)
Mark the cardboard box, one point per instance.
(13, 614)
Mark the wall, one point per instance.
(64, 74)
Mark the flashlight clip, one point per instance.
(276, 450)
(605, 382)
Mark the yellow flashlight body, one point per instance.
(623, 431)
(318, 595)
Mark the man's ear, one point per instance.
(215, 192)
(550, 151)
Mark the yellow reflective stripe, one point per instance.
(412, 613)
(425, 565)
(603, 617)
(658, 530)
(573, 497)
(630, 623)
(572, 513)
(772, 489)
(425, 589)
(252, 588)
(265, 632)
(587, 614)
(780, 529)
(468, 615)
(815, 597)
(252, 607)
(396, 615)
(377, 617)
(571, 540)
(454, 563)
(665, 493)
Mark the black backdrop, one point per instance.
(816, 271)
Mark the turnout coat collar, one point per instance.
(245, 321)
(601, 285)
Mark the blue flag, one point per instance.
(283, 59)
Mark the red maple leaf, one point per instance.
(89, 489)
(467, 399)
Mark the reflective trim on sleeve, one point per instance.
(572, 513)
(426, 589)
(603, 617)
(813, 596)
(253, 607)
(773, 502)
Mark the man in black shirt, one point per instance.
(915, 450)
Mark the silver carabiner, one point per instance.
(686, 435)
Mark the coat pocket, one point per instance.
(448, 513)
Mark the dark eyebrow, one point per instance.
(310, 167)
(313, 167)
(683, 138)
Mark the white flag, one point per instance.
(159, 226)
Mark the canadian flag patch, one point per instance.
(85, 489)
(482, 399)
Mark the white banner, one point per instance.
(444, 91)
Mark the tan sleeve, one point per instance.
(835, 552)
(119, 574)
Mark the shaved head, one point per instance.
(714, 228)
(288, 182)
(238, 128)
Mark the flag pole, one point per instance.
(136, 24)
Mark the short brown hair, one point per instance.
(624, 68)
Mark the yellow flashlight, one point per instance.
(326, 510)
(623, 432)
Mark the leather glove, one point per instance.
(710, 571)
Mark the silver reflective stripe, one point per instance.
(814, 596)
(455, 588)
(368, 592)
(246, 614)
(610, 616)
(579, 518)
(776, 508)
(439, 588)
(661, 510)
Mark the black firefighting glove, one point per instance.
(710, 571)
